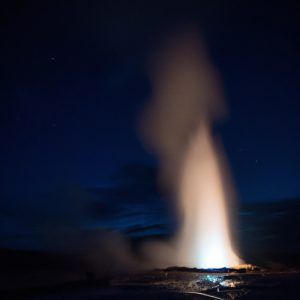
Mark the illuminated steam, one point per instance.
(204, 239)
(177, 125)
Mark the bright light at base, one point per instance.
(211, 256)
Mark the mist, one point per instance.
(178, 126)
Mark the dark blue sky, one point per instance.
(74, 79)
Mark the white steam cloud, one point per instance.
(177, 125)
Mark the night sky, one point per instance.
(74, 80)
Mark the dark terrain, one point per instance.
(269, 239)
(33, 275)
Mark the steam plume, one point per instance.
(177, 123)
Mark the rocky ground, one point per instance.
(219, 284)
(172, 283)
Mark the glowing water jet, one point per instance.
(204, 239)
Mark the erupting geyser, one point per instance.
(204, 240)
(178, 122)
